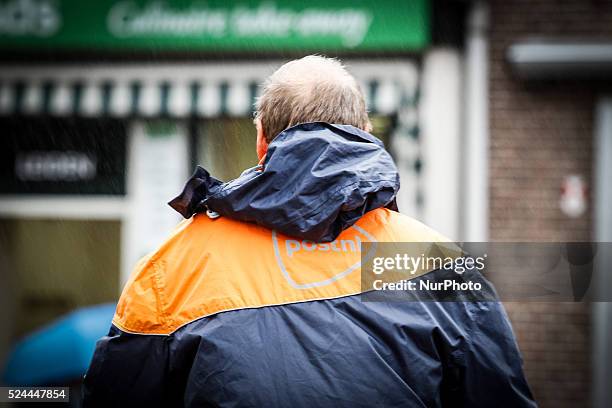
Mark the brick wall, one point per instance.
(541, 132)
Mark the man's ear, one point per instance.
(262, 143)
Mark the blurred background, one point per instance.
(498, 114)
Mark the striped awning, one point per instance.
(177, 90)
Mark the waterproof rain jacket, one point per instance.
(254, 301)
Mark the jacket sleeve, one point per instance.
(130, 370)
(488, 371)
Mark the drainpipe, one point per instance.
(475, 220)
(602, 231)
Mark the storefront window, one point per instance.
(55, 266)
(226, 147)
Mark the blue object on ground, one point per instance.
(60, 351)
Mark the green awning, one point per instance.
(215, 25)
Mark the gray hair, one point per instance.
(311, 89)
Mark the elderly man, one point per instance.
(254, 301)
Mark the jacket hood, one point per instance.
(317, 179)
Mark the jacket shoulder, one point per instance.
(196, 247)
(208, 266)
(404, 228)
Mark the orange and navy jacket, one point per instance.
(255, 299)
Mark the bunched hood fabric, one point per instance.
(317, 180)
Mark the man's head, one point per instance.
(310, 89)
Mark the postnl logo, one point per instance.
(307, 264)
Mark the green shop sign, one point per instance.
(214, 25)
